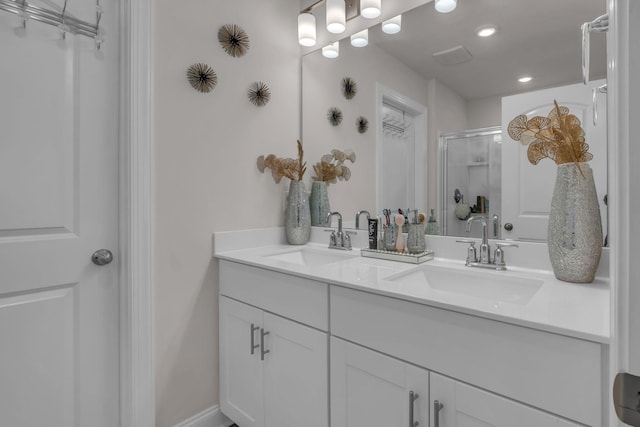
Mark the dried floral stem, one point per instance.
(331, 167)
(558, 136)
(302, 166)
(293, 169)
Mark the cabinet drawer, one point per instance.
(305, 301)
(559, 374)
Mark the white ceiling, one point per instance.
(541, 38)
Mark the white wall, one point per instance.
(447, 113)
(484, 112)
(322, 90)
(206, 179)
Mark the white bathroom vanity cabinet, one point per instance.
(342, 345)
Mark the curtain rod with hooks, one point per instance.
(71, 24)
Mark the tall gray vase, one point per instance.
(319, 202)
(575, 229)
(297, 222)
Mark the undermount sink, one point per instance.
(310, 257)
(478, 284)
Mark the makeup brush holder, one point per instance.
(416, 242)
(390, 233)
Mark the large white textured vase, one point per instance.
(297, 223)
(575, 229)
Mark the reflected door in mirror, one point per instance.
(528, 210)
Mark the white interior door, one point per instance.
(59, 329)
(527, 189)
(401, 147)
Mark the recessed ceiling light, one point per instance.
(486, 30)
(525, 79)
(445, 6)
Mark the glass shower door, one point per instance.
(471, 180)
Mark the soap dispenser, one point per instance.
(432, 224)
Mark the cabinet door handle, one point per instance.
(263, 333)
(437, 406)
(412, 398)
(254, 328)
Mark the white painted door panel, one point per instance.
(466, 406)
(241, 370)
(295, 375)
(371, 389)
(59, 358)
(527, 189)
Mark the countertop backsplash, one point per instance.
(528, 255)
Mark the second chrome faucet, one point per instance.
(497, 263)
(339, 240)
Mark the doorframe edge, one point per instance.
(137, 343)
(619, 191)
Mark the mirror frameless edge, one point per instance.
(409, 46)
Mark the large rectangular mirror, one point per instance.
(437, 77)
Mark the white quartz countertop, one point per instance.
(576, 310)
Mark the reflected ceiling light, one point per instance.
(445, 6)
(360, 39)
(525, 79)
(332, 50)
(336, 18)
(307, 29)
(486, 30)
(393, 25)
(370, 8)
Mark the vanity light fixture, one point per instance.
(446, 6)
(360, 39)
(393, 25)
(332, 50)
(486, 30)
(336, 17)
(307, 29)
(525, 79)
(370, 9)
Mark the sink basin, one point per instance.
(310, 257)
(484, 285)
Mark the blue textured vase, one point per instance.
(319, 204)
(297, 222)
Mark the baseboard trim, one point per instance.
(210, 417)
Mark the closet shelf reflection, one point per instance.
(61, 20)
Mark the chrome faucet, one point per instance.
(485, 257)
(358, 218)
(485, 249)
(339, 240)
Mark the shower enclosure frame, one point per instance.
(443, 193)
